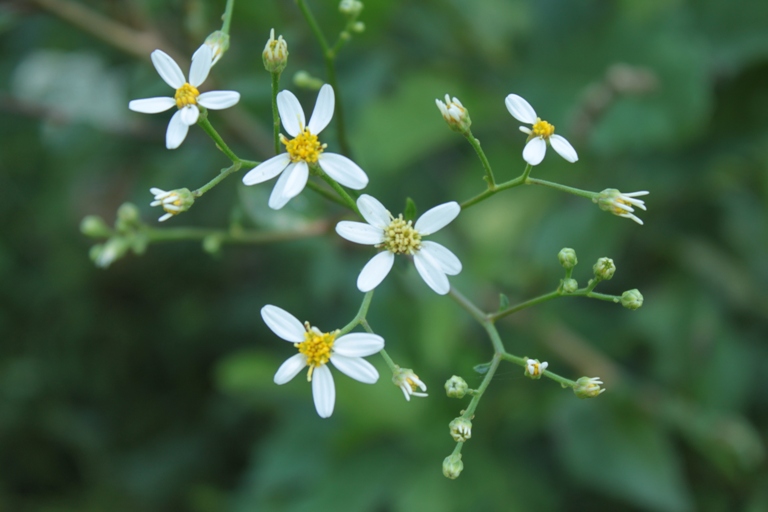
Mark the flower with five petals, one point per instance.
(540, 133)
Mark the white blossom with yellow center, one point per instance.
(187, 97)
(397, 236)
(540, 133)
(304, 150)
(316, 349)
(409, 383)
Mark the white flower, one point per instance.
(534, 369)
(187, 97)
(396, 236)
(304, 150)
(173, 202)
(612, 200)
(409, 382)
(539, 134)
(454, 114)
(316, 349)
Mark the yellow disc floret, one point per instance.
(304, 148)
(186, 95)
(400, 237)
(317, 347)
(542, 129)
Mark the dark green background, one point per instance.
(148, 386)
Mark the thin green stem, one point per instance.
(470, 410)
(326, 193)
(350, 203)
(470, 308)
(492, 191)
(392, 366)
(483, 159)
(520, 361)
(227, 17)
(562, 188)
(275, 113)
(360, 316)
(527, 171)
(212, 133)
(215, 181)
(532, 302)
(313, 25)
(233, 236)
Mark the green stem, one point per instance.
(212, 133)
(215, 181)
(470, 410)
(360, 316)
(227, 17)
(349, 202)
(492, 191)
(275, 113)
(392, 366)
(532, 302)
(563, 188)
(239, 236)
(326, 193)
(484, 159)
(520, 361)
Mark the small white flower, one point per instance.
(409, 382)
(173, 202)
(187, 97)
(304, 150)
(396, 236)
(534, 369)
(454, 114)
(539, 134)
(588, 387)
(617, 203)
(316, 349)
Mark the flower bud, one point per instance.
(453, 466)
(455, 114)
(587, 387)
(534, 369)
(570, 285)
(604, 269)
(461, 429)
(212, 244)
(409, 382)
(218, 42)
(128, 213)
(94, 226)
(275, 54)
(173, 202)
(358, 27)
(623, 205)
(632, 299)
(567, 257)
(456, 387)
(103, 255)
(351, 8)
(306, 81)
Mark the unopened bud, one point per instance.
(409, 382)
(306, 81)
(103, 255)
(604, 269)
(453, 466)
(128, 218)
(567, 257)
(94, 226)
(351, 8)
(534, 369)
(212, 244)
(570, 285)
(456, 387)
(455, 114)
(358, 27)
(461, 429)
(275, 54)
(632, 299)
(218, 42)
(588, 387)
(173, 202)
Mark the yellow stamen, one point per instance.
(400, 237)
(618, 210)
(542, 129)
(317, 347)
(304, 148)
(186, 95)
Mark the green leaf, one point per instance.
(482, 369)
(410, 209)
(503, 301)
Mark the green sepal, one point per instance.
(482, 368)
(410, 210)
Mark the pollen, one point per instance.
(186, 95)
(317, 347)
(400, 237)
(542, 129)
(304, 148)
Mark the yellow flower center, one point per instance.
(542, 129)
(186, 95)
(304, 148)
(400, 237)
(616, 210)
(175, 202)
(317, 347)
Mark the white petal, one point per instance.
(282, 323)
(189, 114)
(267, 170)
(343, 170)
(534, 151)
(290, 368)
(201, 65)
(447, 260)
(177, 131)
(563, 148)
(167, 68)
(375, 271)
(358, 344)
(357, 368)
(323, 391)
(373, 211)
(360, 232)
(291, 113)
(323, 112)
(152, 105)
(437, 218)
(431, 272)
(520, 109)
(218, 100)
(290, 183)
(635, 194)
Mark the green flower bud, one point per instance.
(173, 202)
(567, 257)
(455, 114)
(219, 43)
(128, 213)
(351, 8)
(358, 27)
(461, 429)
(570, 285)
(275, 54)
(94, 226)
(212, 244)
(632, 299)
(456, 387)
(306, 81)
(453, 466)
(587, 387)
(604, 269)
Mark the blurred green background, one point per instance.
(148, 386)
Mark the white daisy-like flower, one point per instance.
(397, 236)
(540, 133)
(409, 382)
(316, 348)
(187, 97)
(621, 204)
(534, 369)
(304, 150)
